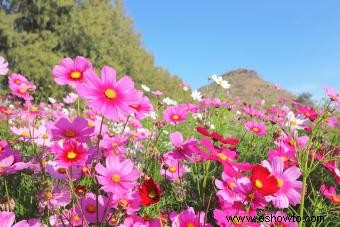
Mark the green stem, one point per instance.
(6, 189)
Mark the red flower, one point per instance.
(263, 181)
(203, 131)
(149, 192)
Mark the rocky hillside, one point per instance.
(247, 85)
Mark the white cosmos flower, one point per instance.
(196, 95)
(225, 84)
(169, 101)
(296, 122)
(145, 88)
(52, 100)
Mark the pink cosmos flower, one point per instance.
(20, 86)
(9, 164)
(175, 169)
(333, 94)
(111, 98)
(60, 196)
(130, 202)
(331, 194)
(221, 218)
(89, 208)
(157, 93)
(188, 217)
(289, 188)
(3, 66)
(224, 156)
(70, 98)
(308, 111)
(42, 137)
(71, 72)
(175, 114)
(59, 172)
(143, 108)
(115, 144)
(7, 220)
(118, 176)
(182, 149)
(78, 129)
(257, 128)
(72, 153)
(276, 219)
(226, 188)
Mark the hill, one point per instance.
(247, 85)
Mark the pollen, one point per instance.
(115, 178)
(222, 156)
(18, 82)
(336, 199)
(91, 208)
(22, 90)
(110, 94)
(231, 185)
(293, 123)
(172, 169)
(258, 184)
(75, 75)
(175, 117)
(48, 195)
(284, 158)
(69, 133)
(61, 170)
(279, 182)
(71, 155)
(190, 224)
(123, 203)
(25, 134)
(255, 129)
(34, 109)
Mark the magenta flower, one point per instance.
(330, 194)
(111, 98)
(115, 144)
(9, 164)
(188, 217)
(71, 72)
(257, 128)
(182, 149)
(175, 169)
(60, 196)
(20, 86)
(89, 208)
(118, 177)
(175, 114)
(3, 66)
(77, 129)
(289, 188)
(70, 154)
(59, 172)
(7, 220)
(130, 202)
(143, 108)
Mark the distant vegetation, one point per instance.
(36, 34)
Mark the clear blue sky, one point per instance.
(293, 43)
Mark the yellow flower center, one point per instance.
(114, 144)
(284, 158)
(34, 109)
(115, 178)
(231, 185)
(22, 90)
(279, 182)
(190, 224)
(71, 155)
(292, 142)
(75, 217)
(255, 129)
(61, 170)
(123, 203)
(69, 133)
(110, 94)
(222, 156)
(175, 117)
(91, 208)
(18, 82)
(75, 75)
(48, 195)
(307, 114)
(45, 136)
(90, 124)
(258, 184)
(25, 134)
(152, 194)
(172, 169)
(293, 123)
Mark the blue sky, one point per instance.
(293, 43)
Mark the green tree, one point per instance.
(36, 34)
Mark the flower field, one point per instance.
(110, 154)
